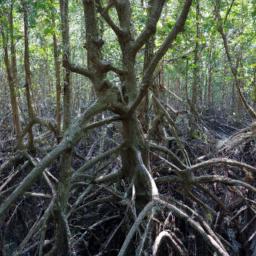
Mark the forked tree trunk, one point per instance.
(135, 156)
(135, 165)
(134, 153)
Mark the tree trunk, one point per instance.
(62, 229)
(209, 87)
(135, 157)
(196, 83)
(134, 160)
(28, 82)
(57, 76)
(11, 83)
(254, 86)
(144, 107)
(11, 69)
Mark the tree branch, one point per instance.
(156, 7)
(173, 157)
(93, 161)
(71, 137)
(224, 180)
(224, 161)
(105, 14)
(77, 69)
(106, 66)
(178, 27)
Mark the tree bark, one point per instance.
(57, 75)
(62, 229)
(11, 69)
(13, 96)
(196, 82)
(28, 81)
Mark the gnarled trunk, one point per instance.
(135, 165)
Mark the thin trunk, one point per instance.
(13, 48)
(11, 83)
(144, 107)
(233, 100)
(148, 55)
(195, 85)
(62, 229)
(239, 103)
(254, 86)
(57, 77)
(28, 82)
(186, 82)
(209, 87)
(11, 69)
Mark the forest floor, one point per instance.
(99, 216)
